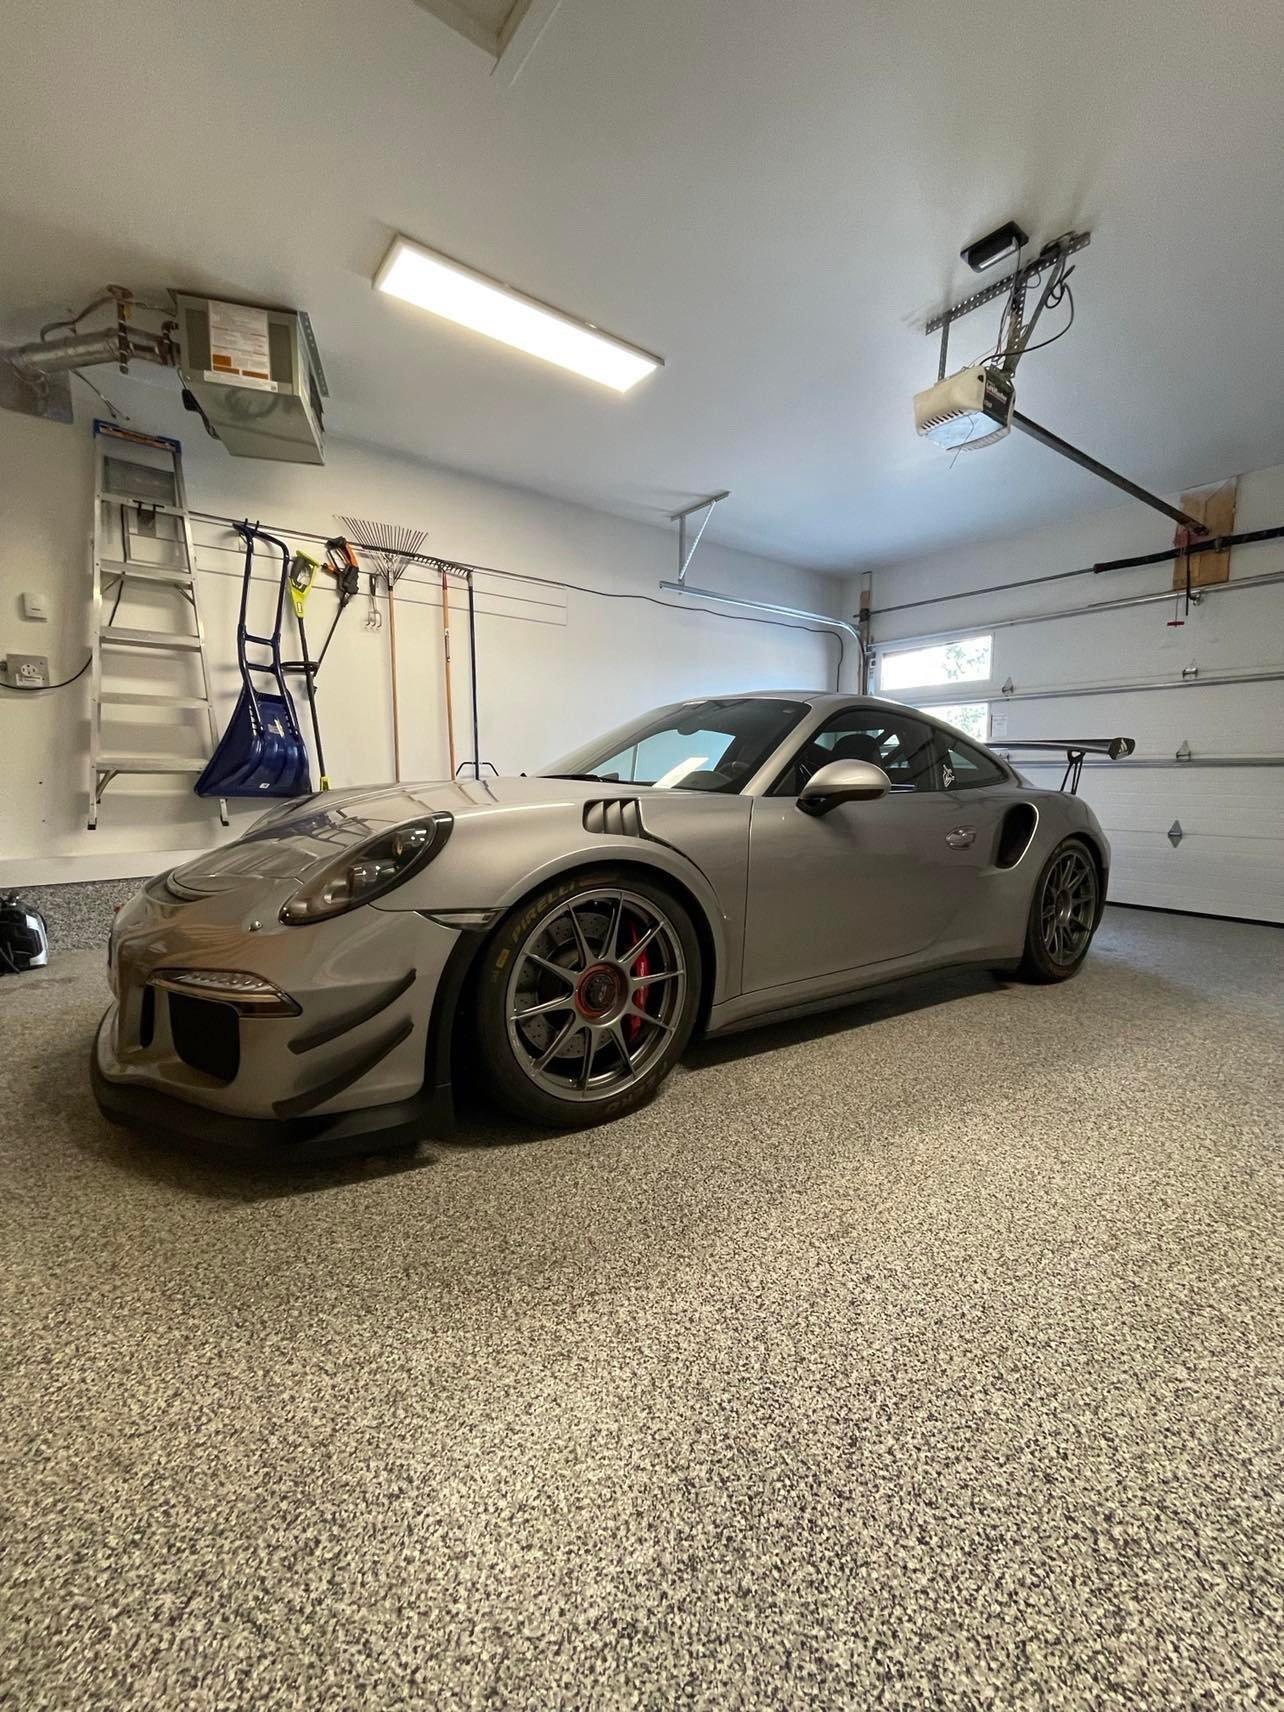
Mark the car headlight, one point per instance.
(368, 870)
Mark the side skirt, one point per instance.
(781, 1009)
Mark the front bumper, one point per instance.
(172, 1118)
(362, 1064)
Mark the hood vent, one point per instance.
(617, 817)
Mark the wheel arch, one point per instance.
(652, 859)
(665, 875)
(451, 1001)
(1099, 860)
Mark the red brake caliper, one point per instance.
(642, 966)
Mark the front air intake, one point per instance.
(206, 1036)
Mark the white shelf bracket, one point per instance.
(687, 553)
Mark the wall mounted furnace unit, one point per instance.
(251, 371)
(255, 377)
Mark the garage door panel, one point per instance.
(1231, 859)
(1224, 801)
(1216, 874)
(1225, 719)
(1225, 633)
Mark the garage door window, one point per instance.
(970, 716)
(964, 660)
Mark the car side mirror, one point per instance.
(839, 782)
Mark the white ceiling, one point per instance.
(768, 193)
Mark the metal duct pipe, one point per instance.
(768, 606)
(83, 350)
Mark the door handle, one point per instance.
(961, 837)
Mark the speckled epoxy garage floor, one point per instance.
(925, 1356)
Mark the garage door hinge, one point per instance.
(1184, 752)
(1191, 671)
(1008, 687)
(1175, 834)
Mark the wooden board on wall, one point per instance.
(1215, 507)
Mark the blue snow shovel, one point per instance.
(262, 752)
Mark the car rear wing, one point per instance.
(1074, 749)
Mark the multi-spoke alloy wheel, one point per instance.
(594, 993)
(1063, 916)
(597, 984)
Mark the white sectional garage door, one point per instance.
(1204, 834)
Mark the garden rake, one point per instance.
(391, 547)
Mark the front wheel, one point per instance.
(1063, 913)
(586, 998)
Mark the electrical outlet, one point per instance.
(25, 672)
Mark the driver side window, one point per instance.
(901, 746)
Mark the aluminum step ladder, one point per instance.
(138, 481)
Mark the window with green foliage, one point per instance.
(965, 660)
(973, 717)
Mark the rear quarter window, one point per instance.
(962, 766)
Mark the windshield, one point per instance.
(714, 745)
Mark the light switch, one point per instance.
(35, 604)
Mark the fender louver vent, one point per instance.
(619, 817)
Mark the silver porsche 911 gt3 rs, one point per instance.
(308, 989)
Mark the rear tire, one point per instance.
(586, 997)
(1064, 911)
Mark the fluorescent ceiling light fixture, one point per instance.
(442, 286)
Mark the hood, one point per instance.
(296, 836)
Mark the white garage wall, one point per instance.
(1231, 859)
(553, 666)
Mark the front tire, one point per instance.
(1063, 914)
(587, 994)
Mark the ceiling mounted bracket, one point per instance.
(1013, 286)
(685, 553)
(1068, 244)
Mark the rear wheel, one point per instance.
(1063, 913)
(586, 998)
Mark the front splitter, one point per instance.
(372, 1129)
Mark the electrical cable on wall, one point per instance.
(468, 570)
(463, 568)
(115, 607)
